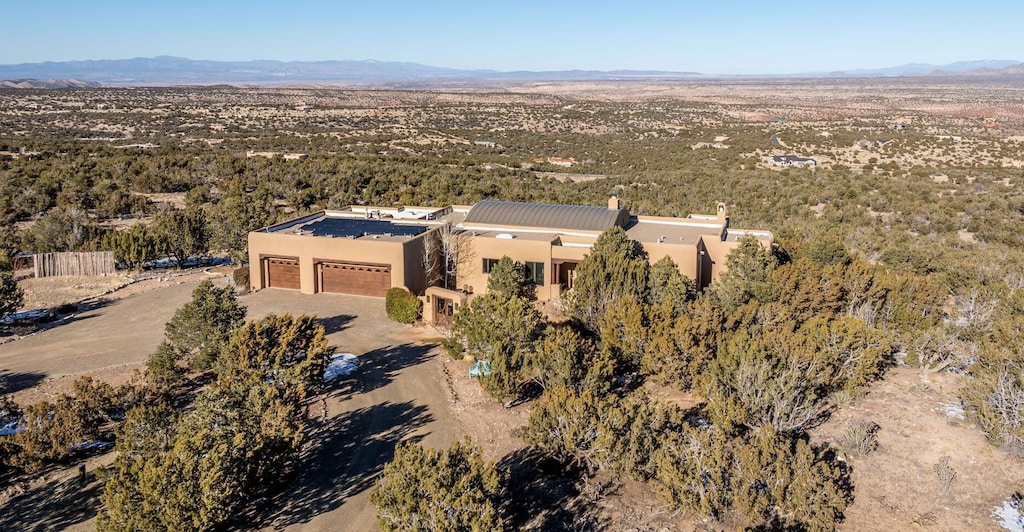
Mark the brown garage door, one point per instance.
(282, 272)
(353, 278)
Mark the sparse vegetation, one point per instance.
(900, 247)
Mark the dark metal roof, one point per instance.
(348, 227)
(546, 215)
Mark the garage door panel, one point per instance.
(358, 279)
(282, 273)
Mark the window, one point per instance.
(488, 264)
(535, 273)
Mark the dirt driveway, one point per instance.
(399, 393)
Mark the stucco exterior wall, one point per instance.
(684, 255)
(401, 256)
(521, 250)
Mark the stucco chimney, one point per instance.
(723, 217)
(613, 203)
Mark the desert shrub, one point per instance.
(763, 480)
(240, 440)
(945, 474)
(861, 437)
(994, 400)
(451, 489)
(240, 276)
(402, 306)
(772, 379)
(54, 430)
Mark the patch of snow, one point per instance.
(954, 411)
(92, 444)
(342, 364)
(12, 428)
(1010, 515)
(28, 315)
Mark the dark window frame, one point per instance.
(534, 273)
(489, 265)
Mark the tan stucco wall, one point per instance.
(403, 257)
(521, 250)
(718, 251)
(684, 255)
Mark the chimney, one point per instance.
(723, 217)
(613, 203)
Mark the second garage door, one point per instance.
(353, 278)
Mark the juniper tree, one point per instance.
(199, 330)
(450, 489)
(746, 277)
(503, 331)
(11, 295)
(614, 268)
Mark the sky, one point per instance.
(711, 37)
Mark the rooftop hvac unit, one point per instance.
(505, 236)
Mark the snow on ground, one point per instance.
(91, 444)
(341, 364)
(1010, 515)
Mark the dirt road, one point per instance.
(399, 393)
(107, 333)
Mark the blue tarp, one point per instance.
(480, 368)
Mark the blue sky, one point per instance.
(749, 37)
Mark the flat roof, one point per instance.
(545, 215)
(333, 226)
(671, 233)
(355, 227)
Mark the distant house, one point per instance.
(485, 143)
(562, 161)
(557, 161)
(272, 154)
(793, 160)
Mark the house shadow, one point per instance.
(545, 494)
(15, 382)
(336, 323)
(344, 458)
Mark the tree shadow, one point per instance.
(336, 323)
(379, 367)
(57, 505)
(15, 382)
(545, 494)
(344, 458)
(45, 319)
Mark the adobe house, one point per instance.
(367, 250)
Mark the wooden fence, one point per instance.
(68, 263)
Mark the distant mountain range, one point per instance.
(911, 69)
(167, 70)
(46, 83)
